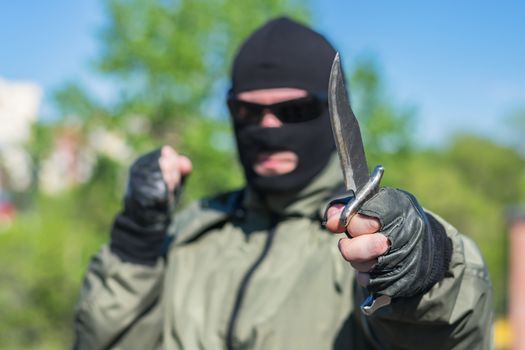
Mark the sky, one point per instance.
(459, 63)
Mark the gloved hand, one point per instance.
(397, 249)
(154, 180)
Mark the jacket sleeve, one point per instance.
(120, 304)
(455, 314)
(118, 300)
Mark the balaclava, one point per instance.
(284, 54)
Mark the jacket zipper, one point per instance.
(241, 292)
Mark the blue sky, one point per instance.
(460, 63)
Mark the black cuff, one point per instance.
(442, 248)
(135, 243)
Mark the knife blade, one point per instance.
(349, 144)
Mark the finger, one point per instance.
(362, 225)
(364, 266)
(332, 218)
(363, 279)
(168, 173)
(185, 165)
(175, 161)
(363, 248)
(166, 150)
(169, 165)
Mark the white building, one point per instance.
(19, 108)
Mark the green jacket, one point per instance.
(237, 276)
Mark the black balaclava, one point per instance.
(284, 54)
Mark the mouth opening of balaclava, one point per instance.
(284, 54)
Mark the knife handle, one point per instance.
(368, 190)
(352, 204)
(354, 201)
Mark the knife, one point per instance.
(359, 183)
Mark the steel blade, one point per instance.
(346, 131)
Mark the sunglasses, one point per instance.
(290, 111)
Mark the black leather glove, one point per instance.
(420, 250)
(139, 231)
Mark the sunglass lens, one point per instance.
(299, 110)
(293, 111)
(244, 112)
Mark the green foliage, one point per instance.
(102, 194)
(494, 176)
(515, 123)
(489, 168)
(75, 102)
(172, 57)
(44, 255)
(443, 188)
(386, 128)
(215, 169)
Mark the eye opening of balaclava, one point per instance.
(284, 54)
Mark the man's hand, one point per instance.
(173, 167)
(366, 245)
(139, 231)
(153, 179)
(397, 249)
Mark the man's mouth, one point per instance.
(275, 163)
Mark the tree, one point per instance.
(172, 57)
(470, 183)
(386, 128)
(515, 122)
(169, 61)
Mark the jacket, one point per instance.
(245, 272)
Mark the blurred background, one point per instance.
(87, 85)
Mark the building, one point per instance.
(19, 108)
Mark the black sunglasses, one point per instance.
(290, 111)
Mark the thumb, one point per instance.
(185, 165)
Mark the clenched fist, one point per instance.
(397, 248)
(154, 181)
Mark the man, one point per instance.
(256, 268)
